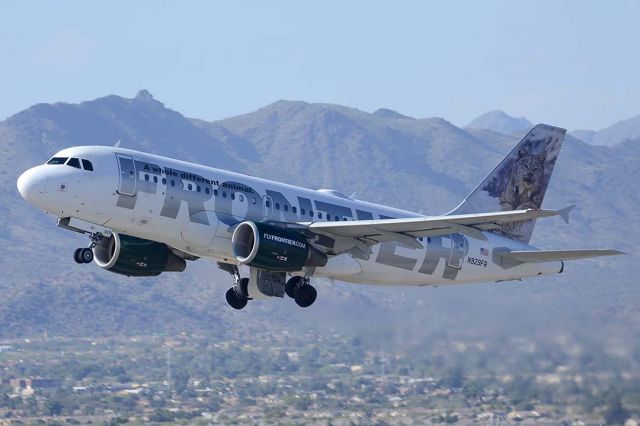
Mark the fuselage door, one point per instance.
(127, 184)
(268, 207)
(458, 250)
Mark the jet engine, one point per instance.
(136, 257)
(272, 248)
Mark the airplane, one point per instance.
(145, 214)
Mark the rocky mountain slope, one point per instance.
(500, 122)
(621, 131)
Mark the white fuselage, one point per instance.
(195, 208)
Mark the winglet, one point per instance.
(117, 144)
(564, 213)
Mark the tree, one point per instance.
(615, 414)
(161, 415)
(454, 377)
(53, 407)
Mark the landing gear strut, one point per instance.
(238, 295)
(299, 289)
(85, 254)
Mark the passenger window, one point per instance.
(155, 179)
(87, 165)
(267, 203)
(294, 209)
(319, 215)
(241, 197)
(233, 195)
(74, 162)
(164, 181)
(146, 177)
(224, 194)
(198, 188)
(173, 182)
(286, 208)
(189, 187)
(206, 191)
(215, 192)
(58, 160)
(277, 206)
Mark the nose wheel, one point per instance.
(85, 254)
(299, 289)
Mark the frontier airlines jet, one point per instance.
(145, 214)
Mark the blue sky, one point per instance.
(574, 64)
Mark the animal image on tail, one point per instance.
(520, 180)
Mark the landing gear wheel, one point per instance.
(76, 255)
(85, 255)
(305, 296)
(235, 300)
(291, 287)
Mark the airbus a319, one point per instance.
(145, 214)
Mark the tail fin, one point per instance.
(519, 181)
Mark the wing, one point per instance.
(537, 256)
(364, 233)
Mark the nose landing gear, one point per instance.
(85, 254)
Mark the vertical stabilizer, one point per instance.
(520, 180)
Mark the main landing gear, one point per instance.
(85, 254)
(238, 295)
(299, 289)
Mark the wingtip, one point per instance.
(564, 212)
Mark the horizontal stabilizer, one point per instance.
(537, 256)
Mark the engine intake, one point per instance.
(274, 249)
(136, 257)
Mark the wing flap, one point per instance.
(538, 256)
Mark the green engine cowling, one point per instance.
(272, 248)
(136, 257)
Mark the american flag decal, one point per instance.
(484, 251)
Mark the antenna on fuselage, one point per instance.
(117, 144)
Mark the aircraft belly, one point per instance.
(448, 260)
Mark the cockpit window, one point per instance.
(57, 160)
(74, 162)
(87, 165)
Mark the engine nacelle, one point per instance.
(136, 257)
(271, 248)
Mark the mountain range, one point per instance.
(621, 131)
(422, 164)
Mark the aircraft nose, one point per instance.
(31, 184)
